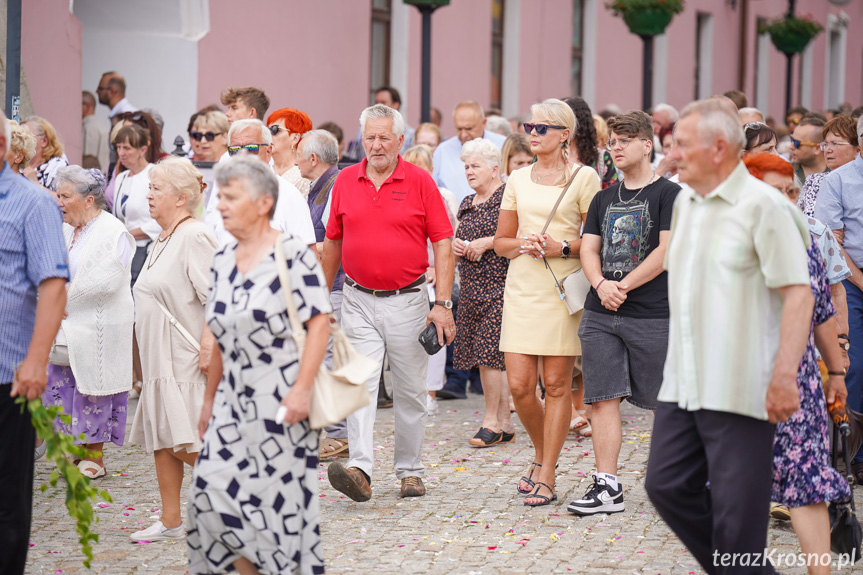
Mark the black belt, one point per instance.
(412, 288)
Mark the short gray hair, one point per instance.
(245, 124)
(322, 144)
(380, 112)
(482, 148)
(83, 182)
(499, 125)
(750, 111)
(669, 109)
(716, 121)
(257, 177)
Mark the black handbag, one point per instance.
(846, 535)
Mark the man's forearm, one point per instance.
(50, 308)
(856, 275)
(331, 260)
(645, 271)
(794, 327)
(837, 293)
(444, 266)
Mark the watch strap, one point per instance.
(840, 373)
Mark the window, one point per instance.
(379, 74)
(497, 12)
(703, 53)
(577, 47)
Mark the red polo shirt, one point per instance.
(384, 232)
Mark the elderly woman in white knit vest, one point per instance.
(176, 347)
(91, 380)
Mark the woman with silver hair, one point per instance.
(254, 494)
(483, 277)
(92, 381)
(170, 296)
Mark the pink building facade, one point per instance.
(325, 56)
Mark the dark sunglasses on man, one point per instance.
(250, 148)
(209, 136)
(541, 129)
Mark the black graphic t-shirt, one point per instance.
(630, 232)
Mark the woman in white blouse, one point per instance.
(132, 187)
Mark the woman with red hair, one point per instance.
(288, 126)
(803, 480)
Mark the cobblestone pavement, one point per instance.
(471, 521)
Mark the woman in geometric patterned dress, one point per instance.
(253, 502)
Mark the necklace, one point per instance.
(650, 181)
(83, 230)
(153, 260)
(545, 175)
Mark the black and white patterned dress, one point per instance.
(254, 492)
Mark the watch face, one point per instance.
(847, 346)
(448, 304)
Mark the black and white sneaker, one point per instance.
(600, 498)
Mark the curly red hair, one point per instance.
(760, 164)
(296, 121)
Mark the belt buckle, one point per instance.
(375, 292)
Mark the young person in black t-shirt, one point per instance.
(624, 329)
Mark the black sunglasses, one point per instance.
(209, 136)
(541, 129)
(275, 129)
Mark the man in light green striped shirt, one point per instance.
(741, 307)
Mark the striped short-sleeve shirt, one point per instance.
(32, 249)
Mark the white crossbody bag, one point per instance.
(176, 323)
(574, 288)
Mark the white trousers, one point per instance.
(390, 325)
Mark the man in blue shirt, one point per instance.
(33, 263)
(469, 120)
(840, 206)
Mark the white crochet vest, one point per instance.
(101, 312)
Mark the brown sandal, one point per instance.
(332, 447)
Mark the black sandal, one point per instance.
(536, 495)
(485, 437)
(529, 480)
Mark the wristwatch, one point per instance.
(847, 345)
(565, 251)
(447, 303)
(839, 373)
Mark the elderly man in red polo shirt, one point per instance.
(383, 212)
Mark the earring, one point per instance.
(293, 149)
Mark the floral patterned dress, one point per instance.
(480, 305)
(802, 474)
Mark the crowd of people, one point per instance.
(716, 254)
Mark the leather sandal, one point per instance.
(91, 469)
(543, 499)
(528, 479)
(332, 447)
(485, 437)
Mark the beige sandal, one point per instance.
(332, 447)
(91, 469)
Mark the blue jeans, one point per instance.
(854, 377)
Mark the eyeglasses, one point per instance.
(250, 148)
(623, 142)
(275, 129)
(798, 143)
(209, 136)
(828, 144)
(541, 129)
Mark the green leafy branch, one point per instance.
(62, 450)
(621, 7)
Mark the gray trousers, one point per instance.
(337, 430)
(390, 325)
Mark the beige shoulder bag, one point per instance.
(574, 288)
(337, 393)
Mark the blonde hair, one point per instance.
(429, 127)
(215, 120)
(53, 149)
(601, 130)
(559, 113)
(21, 140)
(514, 144)
(183, 177)
(419, 155)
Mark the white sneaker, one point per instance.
(600, 498)
(431, 405)
(158, 532)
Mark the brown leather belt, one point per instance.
(412, 288)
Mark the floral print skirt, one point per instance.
(101, 418)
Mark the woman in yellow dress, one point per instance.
(536, 323)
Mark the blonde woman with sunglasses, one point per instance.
(536, 324)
